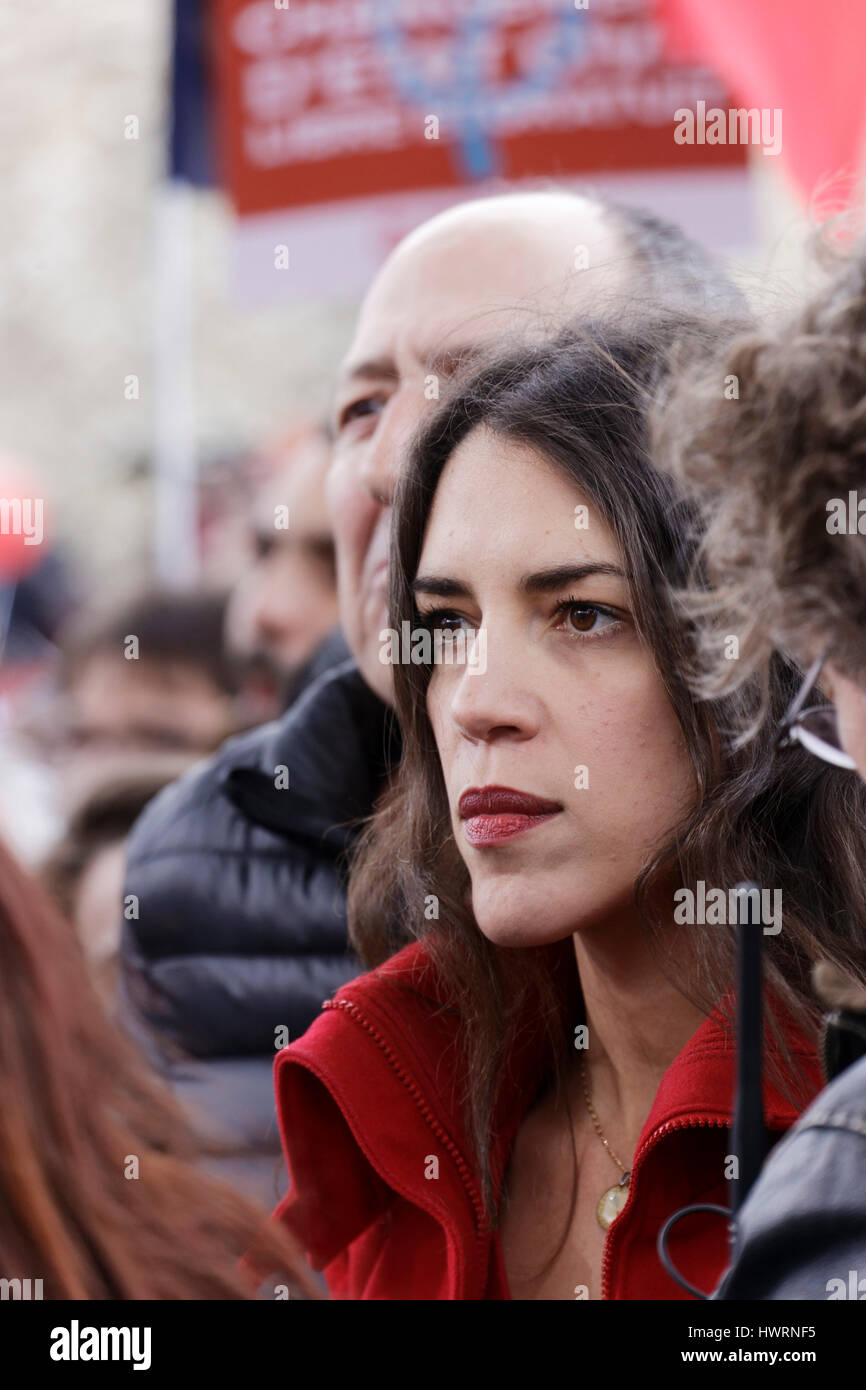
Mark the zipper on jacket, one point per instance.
(651, 1143)
(463, 1169)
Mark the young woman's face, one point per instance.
(563, 760)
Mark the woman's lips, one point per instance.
(492, 815)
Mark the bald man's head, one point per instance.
(474, 279)
(527, 255)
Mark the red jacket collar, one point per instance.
(372, 1088)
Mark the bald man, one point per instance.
(240, 932)
(474, 278)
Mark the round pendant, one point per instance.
(611, 1204)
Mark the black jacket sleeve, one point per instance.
(237, 921)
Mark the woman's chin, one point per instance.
(521, 920)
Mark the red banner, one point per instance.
(806, 61)
(338, 99)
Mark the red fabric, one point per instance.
(796, 56)
(367, 1098)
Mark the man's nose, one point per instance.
(386, 449)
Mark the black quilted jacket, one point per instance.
(241, 927)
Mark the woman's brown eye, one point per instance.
(583, 619)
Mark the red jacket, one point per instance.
(367, 1098)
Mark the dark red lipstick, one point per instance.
(492, 815)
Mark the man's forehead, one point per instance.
(459, 274)
(442, 357)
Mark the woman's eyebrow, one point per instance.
(439, 585)
(546, 581)
(539, 582)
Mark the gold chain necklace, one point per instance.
(612, 1201)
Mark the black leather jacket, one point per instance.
(241, 927)
(801, 1233)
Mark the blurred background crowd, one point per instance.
(107, 697)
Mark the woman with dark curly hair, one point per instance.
(780, 470)
(513, 1104)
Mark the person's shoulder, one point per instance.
(175, 814)
(369, 1086)
(842, 1104)
(400, 1004)
(338, 729)
(811, 1160)
(811, 1182)
(399, 996)
(339, 687)
(413, 967)
(326, 725)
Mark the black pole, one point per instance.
(750, 1135)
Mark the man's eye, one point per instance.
(356, 410)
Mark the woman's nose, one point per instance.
(494, 697)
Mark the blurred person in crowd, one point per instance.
(285, 605)
(39, 604)
(541, 897)
(84, 872)
(781, 474)
(99, 1198)
(37, 593)
(241, 867)
(151, 677)
(37, 596)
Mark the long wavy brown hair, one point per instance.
(583, 402)
(99, 1197)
